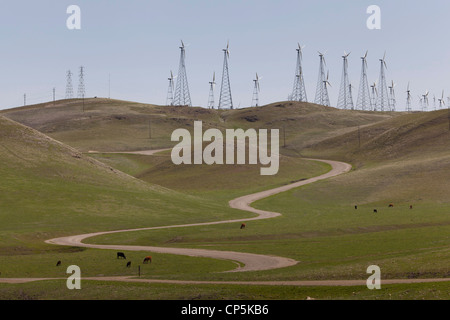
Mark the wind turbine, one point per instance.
(212, 85)
(408, 99)
(383, 96)
(256, 90)
(363, 101)
(226, 100)
(425, 100)
(441, 101)
(392, 96)
(170, 90)
(374, 95)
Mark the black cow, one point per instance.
(121, 255)
(375, 211)
(129, 264)
(58, 263)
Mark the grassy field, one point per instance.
(51, 190)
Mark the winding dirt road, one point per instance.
(245, 261)
(251, 262)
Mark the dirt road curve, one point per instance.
(245, 261)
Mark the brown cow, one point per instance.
(391, 205)
(410, 206)
(243, 226)
(148, 259)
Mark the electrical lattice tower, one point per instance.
(345, 100)
(255, 99)
(226, 100)
(81, 88)
(169, 100)
(212, 84)
(299, 90)
(182, 95)
(382, 102)
(322, 97)
(69, 86)
(363, 102)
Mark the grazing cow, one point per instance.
(148, 259)
(58, 263)
(391, 205)
(129, 264)
(410, 206)
(121, 255)
(356, 207)
(243, 226)
(375, 211)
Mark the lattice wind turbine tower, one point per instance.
(392, 100)
(322, 97)
(226, 99)
(256, 90)
(212, 84)
(382, 102)
(169, 99)
(363, 101)
(182, 95)
(299, 90)
(345, 100)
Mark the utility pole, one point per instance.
(54, 95)
(25, 99)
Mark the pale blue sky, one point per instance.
(137, 42)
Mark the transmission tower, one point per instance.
(382, 102)
(363, 102)
(69, 86)
(226, 101)
(169, 100)
(299, 91)
(81, 88)
(345, 100)
(182, 95)
(322, 97)
(212, 84)
(256, 90)
(392, 101)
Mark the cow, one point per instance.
(410, 207)
(391, 205)
(148, 259)
(375, 211)
(58, 263)
(356, 207)
(129, 264)
(121, 255)
(243, 226)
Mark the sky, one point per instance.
(135, 44)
